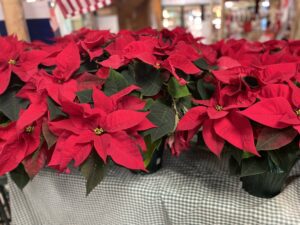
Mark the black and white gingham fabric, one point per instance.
(193, 189)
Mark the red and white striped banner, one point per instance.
(72, 8)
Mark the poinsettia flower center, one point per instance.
(157, 65)
(59, 81)
(98, 131)
(298, 112)
(219, 108)
(29, 129)
(12, 62)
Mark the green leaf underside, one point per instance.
(10, 105)
(85, 96)
(19, 176)
(50, 138)
(94, 170)
(176, 90)
(114, 83)
(34, 165)
(54, 110)
(163, 117)
(272, 139)
(147, 78)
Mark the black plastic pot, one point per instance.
(266, 176)
(266, 185)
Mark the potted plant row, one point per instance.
(93, 98)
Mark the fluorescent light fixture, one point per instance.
(229, 4)
(166, 14)
(265, 4)
(196, 13)
(166, 23)
(217, 23)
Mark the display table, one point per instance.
(192, 189)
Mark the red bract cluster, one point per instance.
(256, 89)
(94, 96)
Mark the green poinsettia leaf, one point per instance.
(114, 83)
(10, 105)
(87, 66)
(54, 110)
(185, 102)
(19, 176)
(151, 148)
(94, 170)
(85, 96)
(272, 139)
(205, 89)
(129, 74)
(253, 166)
(231, 151)
(286, 156)
(164, 118)
(147, 78)
(176, 90)
(246, 155)
(149, 103)
(202, 64)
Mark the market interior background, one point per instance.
(213, 20)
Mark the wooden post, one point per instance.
(138, 14)
(14, 18)
(156, 13)
(295, 31)
(132, 14)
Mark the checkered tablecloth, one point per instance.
(192, 189)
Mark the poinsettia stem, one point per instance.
(174, 104)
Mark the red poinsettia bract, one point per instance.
(221, 122)
(111, 127)
(16, 59)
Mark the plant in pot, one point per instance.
(94, 98)
(91, 99)
(252, 115)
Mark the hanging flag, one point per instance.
(71, 8)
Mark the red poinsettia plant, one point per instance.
(93, 98)
(253, 112)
